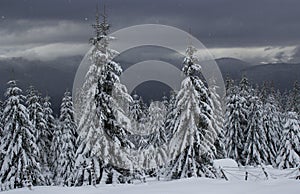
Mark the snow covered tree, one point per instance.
(289, 152)
(1, 122)
(42, 133)
(217, 121)
(18, 144)
(51, 126)
(136, 114)
(103, 115)
(48, 116)
(67, 126)
(192, 147)
(272, 127)
(235, 120)
(55, 152)
(293, 102)
(170, 115)
(255, 148)
(155, 154)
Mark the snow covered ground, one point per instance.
(278, 182)
(184, 186)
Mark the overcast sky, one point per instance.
(255, 31)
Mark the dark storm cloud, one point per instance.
(217, 23)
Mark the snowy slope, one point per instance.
(190, 186)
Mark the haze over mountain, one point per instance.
(54, 77)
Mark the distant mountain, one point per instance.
(232, 67)
(54, 77)
(49, 77)
(283, 75)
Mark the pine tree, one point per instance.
(18, 144)
(155, 155)
(170, 115)
(289, 152)
(235, 119)
(255, 148)
(136, 114)
(103, 119)
(293, 102)
(191, 148)
(42, 133)
(68, 142)
(1, 122)
(272, 127)
(218, 121)
(51, 126)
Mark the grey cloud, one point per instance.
(217, 23)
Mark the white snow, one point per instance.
(183, 186)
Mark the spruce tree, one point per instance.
(235, 119)
(255, 148)
(103, 119)
(170, 115)
(155, 154)
(67, 126)
(272, 127)
(19, 144)
(42, 133)
(289, 152)
(293, 102)
(192, 146)
(217, 121)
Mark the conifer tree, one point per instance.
(42, 133)
(289, 152)
(255, 148)
(170, 115)
(18, 144)
(217, 121)
(67, 126)
(101, 126)
(235, 119)
(155, 154)
(272, 127)
(192, 147)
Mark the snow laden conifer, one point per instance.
(272, 127)
(217, 121)
(192, 147)
(289, 151)
(170, 115)
(155, 154)
(293, 101)
(235, 119)
(103, 117)
(18, 145)
(255, 148)
(51, 126)
(42, 133)
(67, 126)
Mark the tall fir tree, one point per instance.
(272, 127)
(103, 119)
(42, 133)
(293, 101)
(217, 121)
(289, 151)
(170, 115)
(255, 150)
(21, 161)
(192, 146)
(155, 155)
(68, 127)
(235, 119)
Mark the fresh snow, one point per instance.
(183, 186)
